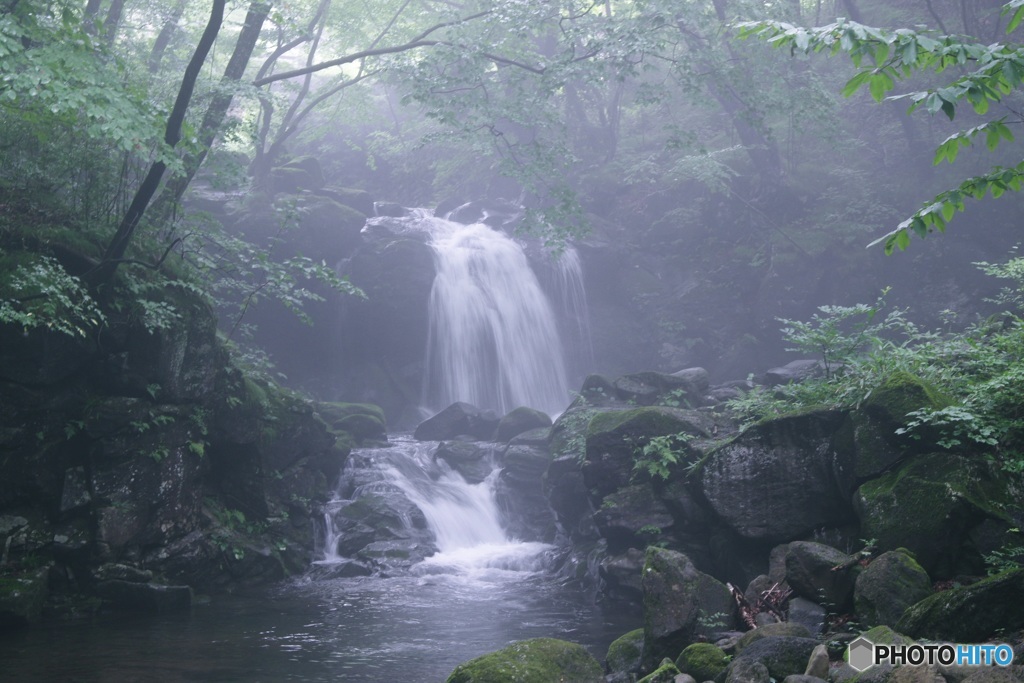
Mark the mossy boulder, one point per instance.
(811, 573)
(969, 613)
(656, 388)
(902, 393)
(781, 655)
(680, 604)
(931, 504)
(864, 449)
(624, 652)
(364, 422)
(519, 420)
(633, 517)
(783, 628)
(614, 438)
(703, 661)
(540, 660)
(665, 673)
(889, 585)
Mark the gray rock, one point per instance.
(810, 614)
(795, 371)
(804, 678)
(747, 670)
(520, 420)
(457, 419)
(679, 601)
(818, 663)
(622, 574)
(769, 630)
(809, 572)
(888, 586)
(775, 481)
(782, 655)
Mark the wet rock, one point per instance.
(655, 388)
(457, 419)
(776, 629)
(929, 507)
(781, 655)
(703, 661)
(122, 572)
(540, 660)
(665, 673)
(75, 493)
(622, 575)
(809, 572)
(818, 664)
(473, 460)
(808, 614)
(969, 614)
(624, 653)
(520, 420)
(775, 481)
(614, 437)
(680, 603)
(795, 371)
(747, 671)
(889, 585)
(633, 517)
(520, 493)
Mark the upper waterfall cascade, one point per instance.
(494, 339)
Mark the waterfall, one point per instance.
(463, 534)
(493, 339)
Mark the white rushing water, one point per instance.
(463, 517)
(493, 339)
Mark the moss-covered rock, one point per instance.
(891, 583)
(929, 507)
(519, 420)
(624, 652)
(781, 655)
(614, 438)
(902, 393)
(364, 422)
(680, 603)
(811, 573)
(969, 613)
(540, 660)
(703, 661)
(864, 449)
(665, 673)
(784, 628)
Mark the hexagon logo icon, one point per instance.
(861, 654)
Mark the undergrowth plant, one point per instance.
(979, 368)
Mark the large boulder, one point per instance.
(520, 493)
(782, 628)
(624, 653)
(540, 660)
(520, 420)
(633, 517)
(821, 573)
(458, 419)
(680, 604)
(889, 585)
(683, 389)
(775, 481)
(969, 613)
(473, 460)
(703, 661)
(615, 438)
(931, 504)
(781, 655)
(865, 449)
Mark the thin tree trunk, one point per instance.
(218, 109)
(163, 39)
(118, 245)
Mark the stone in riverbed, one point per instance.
(540, 660)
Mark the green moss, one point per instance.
(665, 673)
(703, 661)
(541, 660)
(624, 653)
(969, 613)
(903, 393)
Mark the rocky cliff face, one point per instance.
(142, 460)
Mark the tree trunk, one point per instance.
(118, 245)
(163, 39)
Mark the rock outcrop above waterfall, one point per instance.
(147, 464)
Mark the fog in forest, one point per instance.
(356, 340)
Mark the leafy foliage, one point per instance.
(42, 294)
(987, 75)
